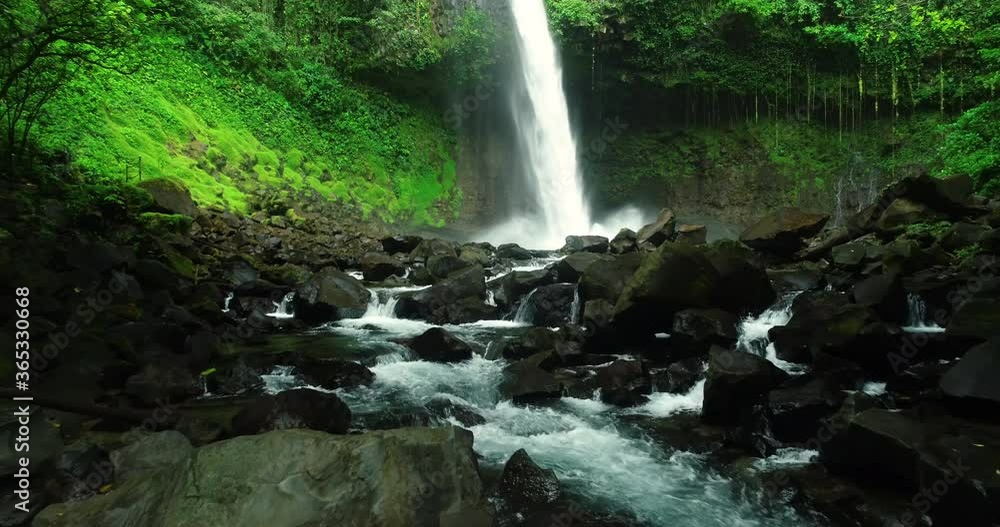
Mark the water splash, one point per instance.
(917, 319)
(753, 332)
(283, 309)
(225, 303)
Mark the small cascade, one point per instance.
(225, 303)
(284, 308)
(491, 298)
(526, 311)
(382, 304)
(753, 332)
(575, 307)
(917, 319)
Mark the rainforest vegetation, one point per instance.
(260, 105)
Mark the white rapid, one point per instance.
(283, 309)
(753, 332)
(917, 319)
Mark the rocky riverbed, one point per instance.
(300, 370)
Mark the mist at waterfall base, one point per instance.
(554, 203)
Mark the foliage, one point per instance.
(972, 146)
(927, 230)
(159, 224)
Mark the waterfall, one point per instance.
(542, 121)
(382, 304)
(575, 308)
(526, 312)
(916, 318)
(283, 309)
(753, 332)
(229, 298)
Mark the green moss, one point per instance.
(925, 230)
(180, 264)
(159, 224)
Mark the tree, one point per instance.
(44, 43)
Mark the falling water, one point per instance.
(229, 298)
(526, 311)
(753, 332)
(283, 309)
(916, 320)
(575, 307)
(543, 124)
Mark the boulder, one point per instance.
(606, 278)
(332, 374)
(949, 467)
(460, 298)
(526, 382)
(795, 279)
(331, 295)
(699, 329)
(674, 277)
(974, 383)
(902, 212)
(549, 305)
(744, 287)
(524, 487)
(885, 294)
(170, 196)
(590, 244)
(293, 478)
(572, 267)
(977, 318)
(516, 284)
(809, 310)
(482, 254)
(797, 408)
(441, 266)
(693, 234)
(438, 345)
(679, 377)
(783, 231)
(964, 234)
(162, 384)
(626, 241)
(298, 408)
(735, 382)
(447, 409)
(623, 383)
(376, 266)
(400, 244)
(660, 231)
(531, 342)
(513, 251)
(150, 452)
(432, 247)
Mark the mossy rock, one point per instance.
(180, 264)
(170, 195)
(159, 224)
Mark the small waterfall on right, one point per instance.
(917, 320)
(753, 332)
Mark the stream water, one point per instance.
(598, 452)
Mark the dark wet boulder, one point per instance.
(735, 382)
(660, 231)
(445, 408)
(376, 266)
(299, 408)
(170, 195)
(624, 242)
(524, 487)
(792, 342)
(597, 317)
(784, 231)
(441, 266)
(885, 294)
(590, 244)
(695, 331)
(797, 407)
(606, 278)
(438, 345)
(678, 377)
(743, 287)
(795, 279)
(693, 234)
(532, 341)
(623, 383)
(974, 383)
(482, 254)
(948, 465)
(853, 254)
(526, 382)
(517, 284)
(163, 383)
(455, 299)
(754, 432)
(549, 305)
(432, 247)
(513, 251)
(400, 244)
(674, 277)
(964, 234)
(331, 295)
(332, 374)
(854, 335)
(978, 318)
(902, 212)
(572, 267)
